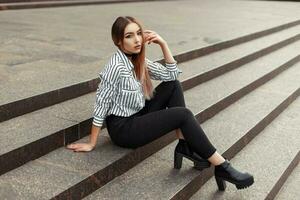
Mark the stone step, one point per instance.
(71, 120)
(284, 176)
(267, 156)
(290, 189)
(30, 4)
(79, 174)
(23, 101)
(155, 178)
(24, 1)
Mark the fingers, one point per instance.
(79, 147)
(71, 146)
(150, 38)
(148, 34)
(74, 147)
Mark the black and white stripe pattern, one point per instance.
(119, 92)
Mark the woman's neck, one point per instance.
(129, 55)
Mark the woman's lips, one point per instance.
(138, 47)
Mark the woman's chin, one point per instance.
(136, 52)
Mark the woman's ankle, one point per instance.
(216, 159)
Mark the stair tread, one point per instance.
(156, 173)
(81, 162)
(216, 59)
(65, 114)
(290, 189)
(56, 1)
(238, 78)
(266, 157)
(20, 76)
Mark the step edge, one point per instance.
(66, 136)
(18, 108)
(194, 185)
(201, 117)
(51, 4)
(284, 176)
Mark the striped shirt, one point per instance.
(119, 92)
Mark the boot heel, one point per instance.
(177, 160)
(221, 183)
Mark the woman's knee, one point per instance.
(184, 112)
(188, 113)
(174, 83)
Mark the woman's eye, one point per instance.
(128, 36)
(139, 33)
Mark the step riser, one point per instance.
(116, 169)
(47, 4)
(200, 180)
(27, 1)
(227, 101)
(202, 117)
(21, 107)
(41, 147)
(230, 43)
(201, 78)
(63, 137)
(272, 194)
(24, 106)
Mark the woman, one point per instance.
(137, 114)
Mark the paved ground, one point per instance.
(49, 48)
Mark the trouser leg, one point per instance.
(151, 126)
(155, 121)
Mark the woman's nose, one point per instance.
(137, 38)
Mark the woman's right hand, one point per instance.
(81, 147)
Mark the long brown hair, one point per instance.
(138, 60)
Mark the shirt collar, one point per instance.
(128, 64)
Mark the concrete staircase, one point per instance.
(30, 4)
(244, 92)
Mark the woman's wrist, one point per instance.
(167, 53)
(92, 144)
(163, 43)
(94, 135)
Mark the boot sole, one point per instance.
(245, 184)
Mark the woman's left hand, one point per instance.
(151, 36)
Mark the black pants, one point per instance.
(165, 112)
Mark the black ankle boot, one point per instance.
(225, 172)
(183, 150)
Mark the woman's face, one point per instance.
(133, 40)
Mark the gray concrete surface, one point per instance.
(50, 48)
(266, 157)
(45, 49)
(156, 179)
(290, 189)
(24, 129)
(28, 178)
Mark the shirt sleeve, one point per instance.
(106, 91)
(158, 71)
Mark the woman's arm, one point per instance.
(94, 135)
(105, 92)
(167, 53)
(157, 71)
(151, 36)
